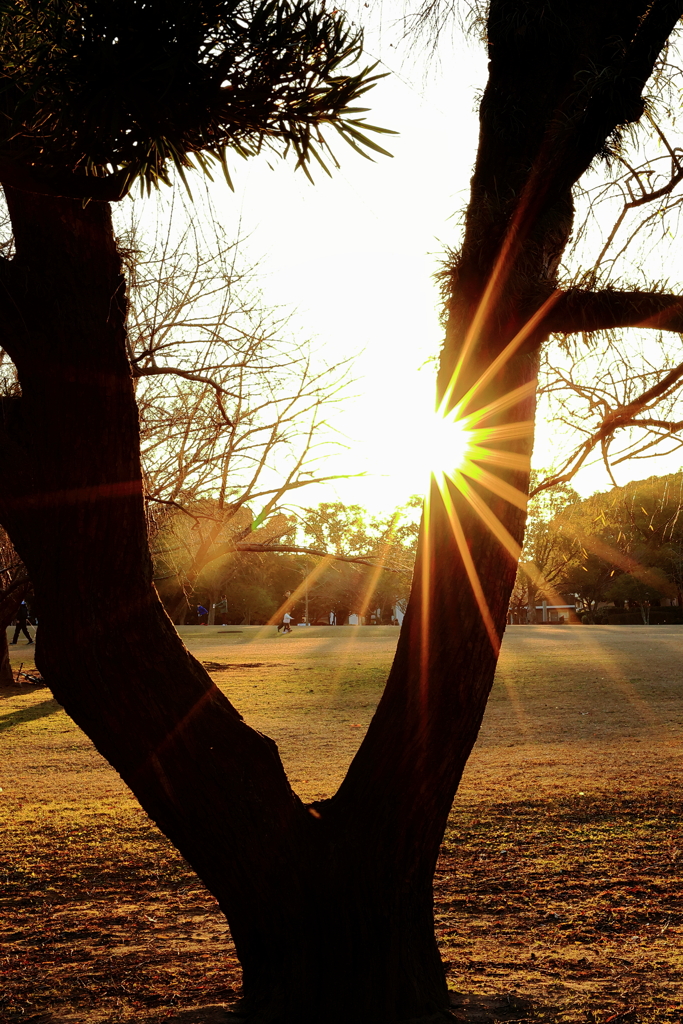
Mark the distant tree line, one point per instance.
(330, 562)
(617, 555)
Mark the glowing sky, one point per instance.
(356, 255)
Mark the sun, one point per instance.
(448, 443)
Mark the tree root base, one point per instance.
(470, 1009)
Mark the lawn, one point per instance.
(558, 895)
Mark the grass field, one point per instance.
(558, 895)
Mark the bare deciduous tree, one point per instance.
(617, 389)
(547, 552)
(233, 406)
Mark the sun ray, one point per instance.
(501, 359)
(626, 688)
(468, 562)
(516, 702)
(345, 652)
(508, 352)
(473, 331)
(504, 432)
(425, 604)
(625, 562)
(460, 441)
(531, 570)
(451, 445)
(377, 569)
(308, 579)
(507, 401)
(487, 516)
(494, 286)
(495, 484)
(497, 457)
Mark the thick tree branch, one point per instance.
(605, 310)
(616, 98)
(69, 186)
(670, 428)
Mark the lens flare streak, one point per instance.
(425, 607)
(503, 357)
(494, 484)
(468, 562)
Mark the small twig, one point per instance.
(620, 1016)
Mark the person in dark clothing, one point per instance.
(22, 619)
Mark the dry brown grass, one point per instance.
(558, 890)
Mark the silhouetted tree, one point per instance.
(330, 905)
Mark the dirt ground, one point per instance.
(558, 895)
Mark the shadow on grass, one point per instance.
(491, 1009)
(477, 1009)
(42, 710)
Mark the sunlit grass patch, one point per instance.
(560, 875)
(574, 903)
(101, 912)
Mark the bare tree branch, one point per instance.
(233, 409)
(297, 550)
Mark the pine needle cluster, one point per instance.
(133, 89)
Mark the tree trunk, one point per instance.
(330, 906)
(179, 608)
(6, 675)
(213, 597)
(532, 616)
(9, 602)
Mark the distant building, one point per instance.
(545, 612)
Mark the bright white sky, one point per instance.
(355, 255)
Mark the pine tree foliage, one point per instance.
(126, 89)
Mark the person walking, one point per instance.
(286, 619)
(22, 619)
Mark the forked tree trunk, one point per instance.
(323, 922)
(330, 906)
